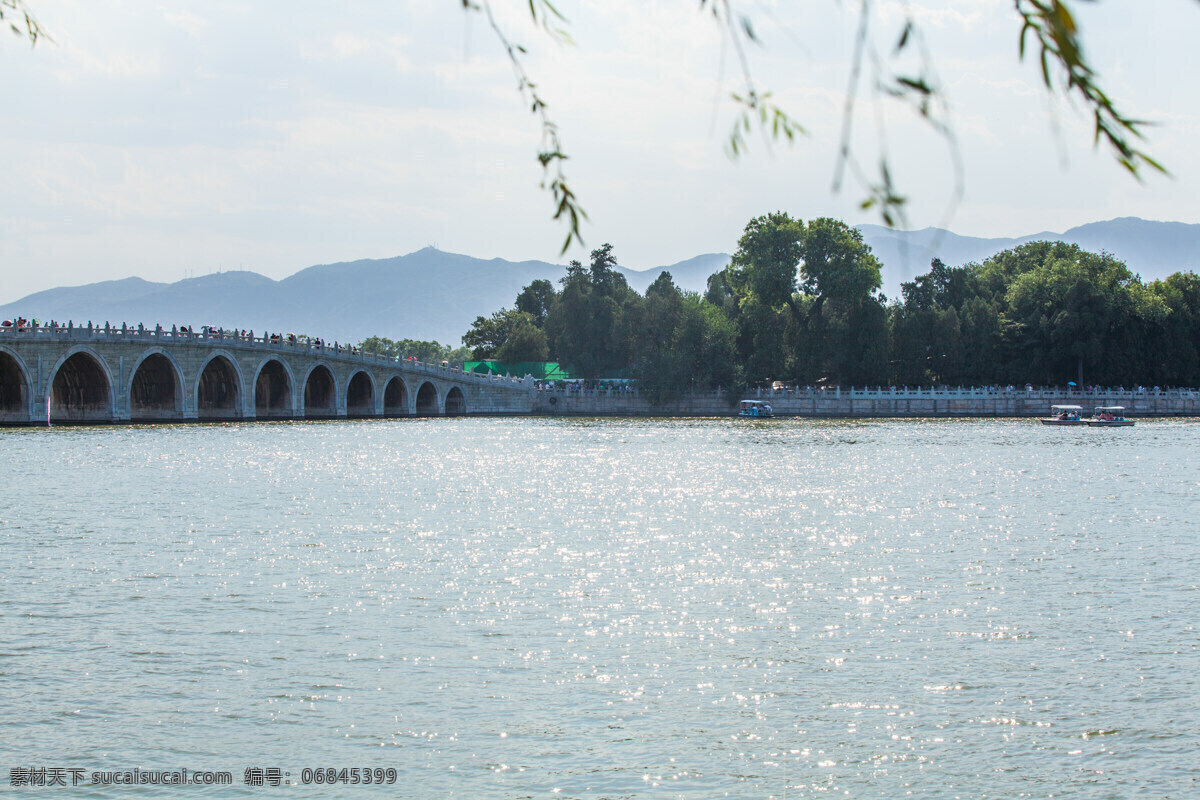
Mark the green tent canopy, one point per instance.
(542, 370)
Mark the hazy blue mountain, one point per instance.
(428, 294)
(907, 254)
(691, 274)
(1151, 249)
(431, 294)
(85, 297)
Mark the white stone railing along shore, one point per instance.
(1049, 393)
(864, 401)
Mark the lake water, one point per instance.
(511, 608)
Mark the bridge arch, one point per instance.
(81, 388)
(273, 393)
(395, 398)
(360, 395)
(320, 391)
(155, 389)
(456, 404)
(427, 400)
(15, 387)
(220, 387)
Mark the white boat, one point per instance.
(755, 408)
(1064, 415)
(1109, 417)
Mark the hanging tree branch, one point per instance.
(771, 118)
(1049, 24)
(551, 154)
(18, 18)
(1053, 29)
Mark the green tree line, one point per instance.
(430, 352)
(801, 302)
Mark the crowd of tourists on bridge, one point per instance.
(23, 324)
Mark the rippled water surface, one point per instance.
(609, 609)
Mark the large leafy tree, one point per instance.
(1068, 304)
(526, 342)
(684, 344)
(660, 315)
(537, 299)
(767, 261)
(658, 368)
(806, 301)
(508, 335)
(838, 265)
(845, 325)
(941, 331)
(591, 324)
(1046, 312)
(1176, 355)
(757, 290)
(518, 334)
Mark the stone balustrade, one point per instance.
(926, 401)
(70, 373)
(267, 341)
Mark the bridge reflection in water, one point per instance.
(94, 375)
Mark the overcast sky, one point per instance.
(174, 138)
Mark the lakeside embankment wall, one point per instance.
(853, 403)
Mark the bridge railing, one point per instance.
(274, 342)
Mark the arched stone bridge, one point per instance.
(91, 374)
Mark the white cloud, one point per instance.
(269, 134)
(82, 66)
(191, 23)
(959, 15)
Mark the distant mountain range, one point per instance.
(1151, 249)
(428, 294)
(431, 294)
